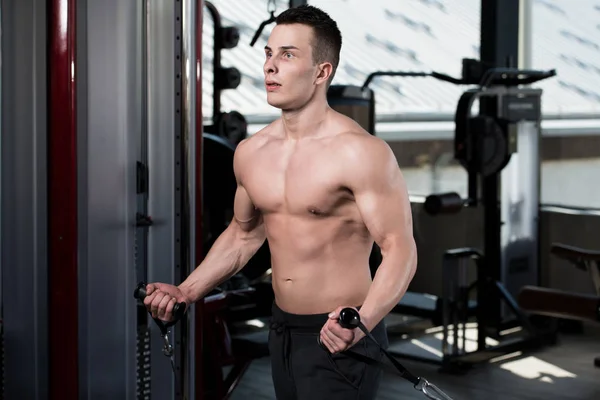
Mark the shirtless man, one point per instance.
(320, 189)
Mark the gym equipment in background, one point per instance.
(231, 125)
(354, 102)
(561, 304)
(500, 148)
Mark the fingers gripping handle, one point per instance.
(350, 319)
(178, 310)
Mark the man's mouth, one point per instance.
(272, 85)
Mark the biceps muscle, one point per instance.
(244, 211)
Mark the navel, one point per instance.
(314, 211)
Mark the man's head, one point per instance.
(302, 55)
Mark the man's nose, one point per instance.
(270, 67)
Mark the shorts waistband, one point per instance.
(304, 322)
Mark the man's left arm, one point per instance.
(382, 198)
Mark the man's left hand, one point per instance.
(336, 338)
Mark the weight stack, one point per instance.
(354, 102)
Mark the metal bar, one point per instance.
(83, 206)
(500, 33)
(24, 161)
(199, 131)
(499, 48)
(179, 161)
(189, 42)
(143, 345)
(526, 35)
(62, 204)
(162, 119)
(197, 309)
(426, 117)
(112, 128)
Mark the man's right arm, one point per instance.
(230, 252)
(228, 255)
(235, 246)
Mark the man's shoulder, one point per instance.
(355, 138)
(360, 145)
(367, 160)
(250, 145)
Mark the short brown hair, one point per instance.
(327, 42)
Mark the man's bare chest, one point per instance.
(313, 185)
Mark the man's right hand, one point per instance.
(161, 298)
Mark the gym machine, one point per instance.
(354, 102)
(97, 194)
(499, 148)
(167, 188)
(560, 304)
(231, 125)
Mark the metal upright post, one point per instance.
(499, 48)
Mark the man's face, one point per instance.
(290, 74)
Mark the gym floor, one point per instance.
(563, 371)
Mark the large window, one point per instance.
(415, 115)
(566, 36)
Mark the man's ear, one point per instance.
(324, 73)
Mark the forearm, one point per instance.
(228, 255)
(390, 283)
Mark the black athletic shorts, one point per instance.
(303, 370)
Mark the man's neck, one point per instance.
(304, 122)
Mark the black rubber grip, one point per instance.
(349, 318)
(178, 310)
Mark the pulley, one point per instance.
(481, 143)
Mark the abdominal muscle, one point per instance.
(318, 263)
